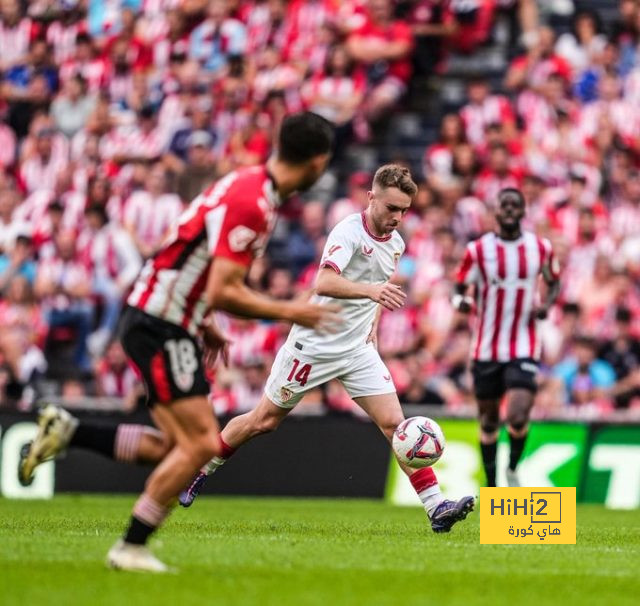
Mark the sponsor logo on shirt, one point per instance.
(367, 252)
(240, 237)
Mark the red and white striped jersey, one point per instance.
(505, 274)
(232, 219)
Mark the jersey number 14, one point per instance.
(302, 375)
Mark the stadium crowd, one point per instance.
(115, 114)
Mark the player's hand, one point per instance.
(373, 336)
(462, 303)
(216, 344)
(389, 295)
(325, 319)
(540, 313)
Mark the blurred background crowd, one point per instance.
(114, 114)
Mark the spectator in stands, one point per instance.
(116, 378)
(22, 331)
(64, 286)
(200, 168)
(72, 108)
(584, 45)
(497, 175)
(433, 23)
(622, 352)
(302, 244)
(475, 20)
(217, 38)
(114, 263)
(485, 109)
(532, 69)
(149, 213)
(42, 170)
(17, 261)
(383, 46)
(336, 93)
(583, 378)
(16, 34)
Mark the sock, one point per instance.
(517, 446)
(425, 484)
(217, 462)
(147, 516)
(489, 461)
(95, 437)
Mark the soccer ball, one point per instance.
(418, 442)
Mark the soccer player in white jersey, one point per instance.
(360, 256)
(504, 267)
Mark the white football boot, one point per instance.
(513, 481)
(55, 429)
(125, 556)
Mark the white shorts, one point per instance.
(293, 375)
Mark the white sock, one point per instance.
(431, 497)
(213, 465)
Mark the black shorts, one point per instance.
(492, 379)
(167, 356)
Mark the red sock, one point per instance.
(425, 484)
(225, 450)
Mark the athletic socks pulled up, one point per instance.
(489, 452)
(426, 485)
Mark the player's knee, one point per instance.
(517, 421)
(489, 424)
(155, 445)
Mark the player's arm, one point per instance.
(373, 334)
(330, 283)
(227, 291)
(465, 276)
(551, 275)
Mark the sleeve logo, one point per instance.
(333, 249)
(240, 237)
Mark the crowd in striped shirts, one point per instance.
(113, 118)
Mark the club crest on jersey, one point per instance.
(396, 257)
(367, 252)
(240, 237)
(285, 394)
(333, 249)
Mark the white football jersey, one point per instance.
(357, 255)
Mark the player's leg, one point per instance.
(281, 393)
(385, 411)
(489, 389)
(368, 382)
(58, 430)
(264, 418)
(520, 380)
(194, 430)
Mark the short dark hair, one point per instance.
(511, 190)
(303, 136)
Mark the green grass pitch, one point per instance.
(298, 552)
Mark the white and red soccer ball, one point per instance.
(418, 442)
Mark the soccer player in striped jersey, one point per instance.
(360, 256)
(201, 267)
(504, 268)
